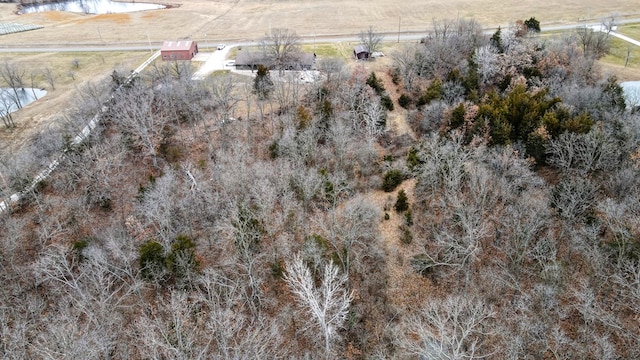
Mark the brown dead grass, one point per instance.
(58, 16)
(406, 288)
(54, 106)
(231, 20)
(109, 18)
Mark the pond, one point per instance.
(11, 101)
(631, 93)
(90, 7)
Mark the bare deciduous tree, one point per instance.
(13, 76)
(327, 304)
(593, 42)
(406, 62)
(281, 46)
(50, 77)
(371, 39)
(137, 116)
(450, 329)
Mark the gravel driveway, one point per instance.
(215, 61)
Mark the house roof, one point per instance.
(251, 58)
(306, 59)
(255, 58)
(360, 49)
(176, 45)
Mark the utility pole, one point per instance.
(399, 19)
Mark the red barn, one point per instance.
(178, 50)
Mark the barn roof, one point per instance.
(176, 45)
(360, 49)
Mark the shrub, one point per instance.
(402, 203)
(304, 117)
(144, 189)
(182, 259)
(413, 160)
(375, 84)
(79, 246)
(387, 102)
(152, 260)
(277, 268)
(274, 150)
(170, 152)
(408, 217)
(391, 180)
(395, 76)
(405, 101)
(405, 235)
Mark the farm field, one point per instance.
(246, 20)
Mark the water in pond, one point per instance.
(91, 7)
(631, 91)
(11, 101)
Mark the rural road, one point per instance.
(142, 46)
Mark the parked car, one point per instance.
(220, 46)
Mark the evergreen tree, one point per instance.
(532, 24)
(262, 84)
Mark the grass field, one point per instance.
(69, 79)
(245, 20)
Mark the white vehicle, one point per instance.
(220, 46)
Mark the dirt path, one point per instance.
(406, 288)
(397, 122)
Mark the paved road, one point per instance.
(625, 38)
(143, 46)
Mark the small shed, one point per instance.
(178, 50)
(361, 52)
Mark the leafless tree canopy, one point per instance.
(371, 39)
(281, 46)
(201, 220)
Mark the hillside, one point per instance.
(477, 197)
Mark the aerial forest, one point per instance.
(477, 198)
